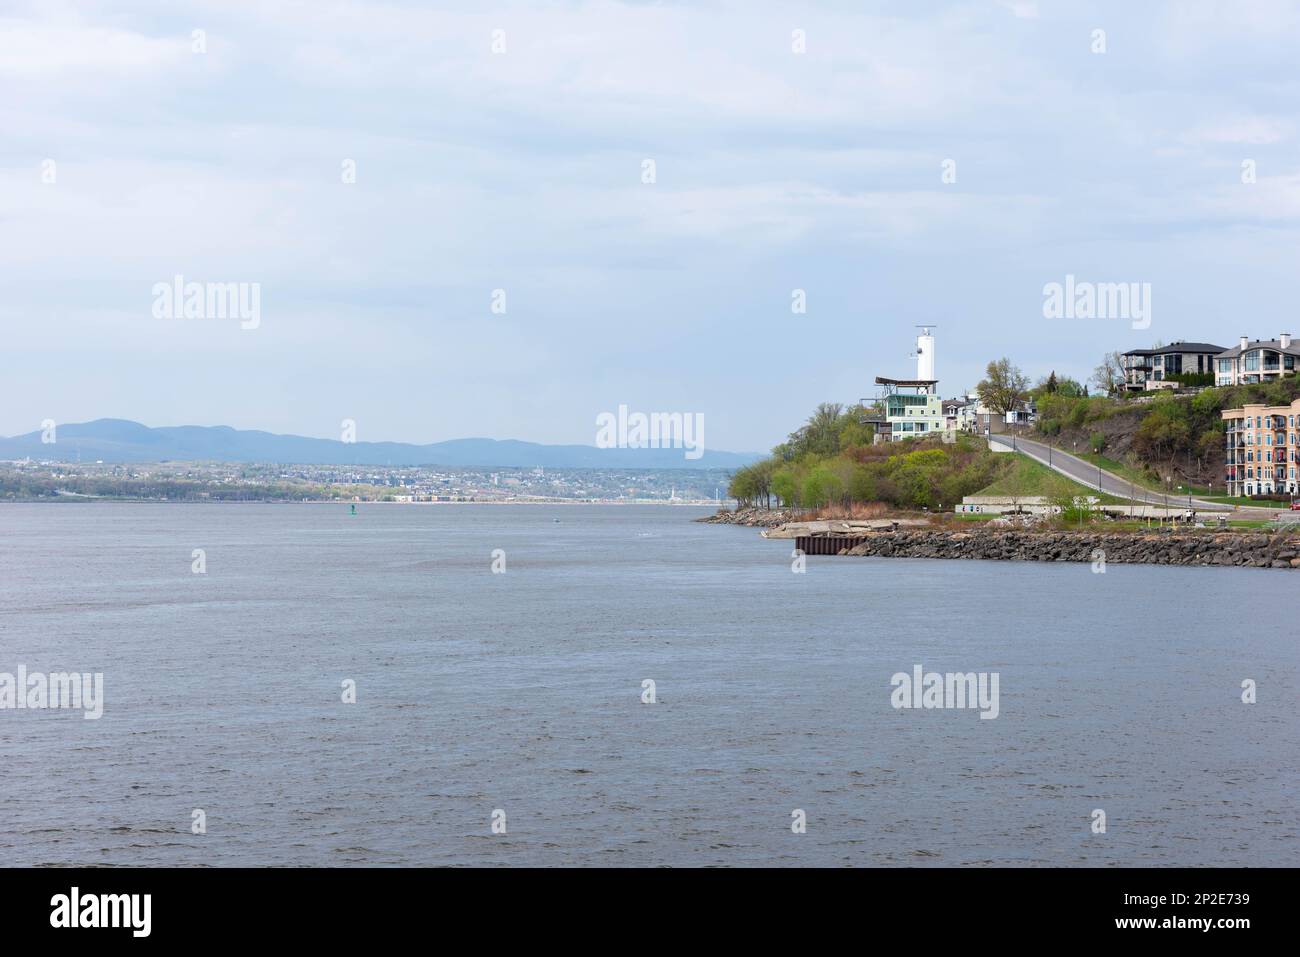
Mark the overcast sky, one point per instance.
(522, 171)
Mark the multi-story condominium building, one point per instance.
(1260, 454)
(1145, 366)
(1256, 361)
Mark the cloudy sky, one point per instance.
(127, 158)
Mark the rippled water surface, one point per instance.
(522, 692)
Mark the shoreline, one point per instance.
(912, 537)
(1207, 548)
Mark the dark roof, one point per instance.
(1173, 347)
(1274, 344)
(882, 380)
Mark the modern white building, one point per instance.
(913, 408)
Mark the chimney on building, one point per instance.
(1285, 340)
(1243, 343)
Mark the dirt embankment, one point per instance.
(1119, 431)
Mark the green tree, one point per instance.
(1003, 387)
(785, 485)
(856, 434)
(1163, 433)
(1069, 388)
(743, 486)
(1109, 376)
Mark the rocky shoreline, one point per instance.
(751, 517)
(1250, 550)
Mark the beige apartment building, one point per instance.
(1260, 452)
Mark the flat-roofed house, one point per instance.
(1142, 366)
(910, 408)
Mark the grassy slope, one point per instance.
(1122, 469)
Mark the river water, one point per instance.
(518, 696)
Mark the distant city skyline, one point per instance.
(463, 237)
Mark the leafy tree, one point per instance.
(1069, 388)
(856, 434)
(1208, 445)
(1163, 432)
(1003, 387)
(743, 486)
(1074, 509)
(815, 492)
(785, 485)
(1109, 376)
(763, 472)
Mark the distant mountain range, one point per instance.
(122, 441)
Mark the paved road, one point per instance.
(1085, 473)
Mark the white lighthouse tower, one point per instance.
(925, 354)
